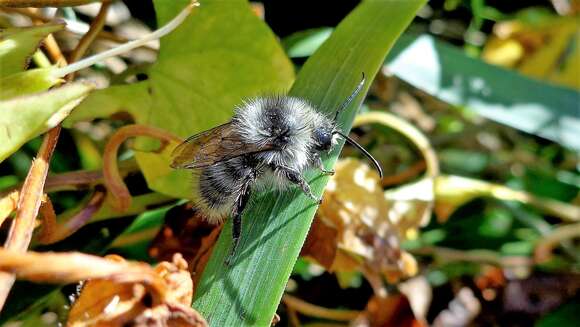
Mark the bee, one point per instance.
(269, 143)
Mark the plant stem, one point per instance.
(113, 180)
(43, 3)
(173, 24)
(313, 310)
(22, 227)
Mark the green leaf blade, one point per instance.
(504, 96)
(18, 44)
(24, 118)
(275, 225)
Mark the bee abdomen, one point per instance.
(220, 184)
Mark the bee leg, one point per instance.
(239, 206)
(295, 177)
(320, 165)
(324, 171)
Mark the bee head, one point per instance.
(352, 142)
(322, 138)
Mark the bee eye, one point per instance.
(322, 139)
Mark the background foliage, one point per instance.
(474, 115)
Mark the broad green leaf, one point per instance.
(27, 82)
(305, 43)
(18, 44)
(219, 55)
(24, 118)
(275, 224)
(566, 315)
(498, 94)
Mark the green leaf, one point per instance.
(504, 96)
(26, 117)
(275, 225)
(219, 55)
(18, 44)
(498, 94)
(305, 43)
(27, 82)
(565, 315)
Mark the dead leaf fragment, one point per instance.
(185, 231)
(105, 302)
(391, 311)
(353, 229)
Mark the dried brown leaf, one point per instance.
(394, 310)
(354, 229)
(105, 302)
(117, 292)
(185, 231)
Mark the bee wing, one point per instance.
(207, 148)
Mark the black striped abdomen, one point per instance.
(221, 183)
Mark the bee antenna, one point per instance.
(351, 97)
(363, 150)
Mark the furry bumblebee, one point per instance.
(269, 143)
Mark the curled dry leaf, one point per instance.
(106, 302)
(186, 232)
(117, 292)
(388, 311)
(354, 227)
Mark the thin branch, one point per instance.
(43, 3)
(376, 281)
(408, 130)
(121, 198)
(544, 247)
(48, 216)
(70, 267)
(126, 240)
(313, 310)
(105, 35)
(49, 43)
(70, 181)
(8, 204)
(449, 255)
(477, 256)
(404, 176)
(20, 232)
(87, 62)
(52, 232)
(96, 26)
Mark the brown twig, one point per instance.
(43, 3)
(293, 319)
(70, 267)
(87, 39)
(48, 216)
(121, 198)
(50, 43)
(450, 255)
(544, 247)
(52, 232)
(313, 310)
(84, 179)
(444, 254)
(375, 280)
(71, 181)
(101, 34)
(8, 204)
(20, 232)
(404, 176)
